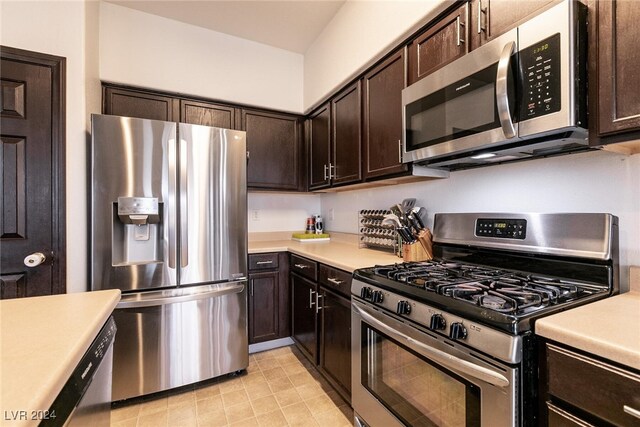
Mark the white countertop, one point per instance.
(42, 339)
(609, 328)
(338, 253)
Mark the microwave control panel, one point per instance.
(502, 228)
(541, 77)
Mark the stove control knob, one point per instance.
(457, 331)
(437, 322)
(365, 293)
(403, 307)
(377, 297)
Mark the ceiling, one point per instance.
(292, 25)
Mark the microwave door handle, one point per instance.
(502, 94)
(445, 359)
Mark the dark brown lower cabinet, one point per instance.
(263, 306)
(583, 390)
(304, 323)
(321, 320)
(269, 304)
(335, 341)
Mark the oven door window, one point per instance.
(466, 107)
(417, 391)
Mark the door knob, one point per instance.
(35, 259)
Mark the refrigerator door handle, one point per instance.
(184, 205)
(172, 202)
(156, 300)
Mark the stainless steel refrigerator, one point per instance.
(169, 229)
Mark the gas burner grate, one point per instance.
(490, 288)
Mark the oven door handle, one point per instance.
(502, 91)
(447, 360)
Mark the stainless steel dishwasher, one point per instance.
(85, 399)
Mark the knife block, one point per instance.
(420, 250)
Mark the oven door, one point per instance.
(404, 376)
(466, 106)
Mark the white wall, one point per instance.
(281, 212)
(587, 182)
(141, 49)
(57, 28)
(359, 31)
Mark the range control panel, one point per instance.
(541, 77)
(503, 228)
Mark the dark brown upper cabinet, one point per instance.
(614, 70)
(346, 124)
(492, 18)
(318, 127)
(382, 146)
(207, 114)
(440, 44)
(274, 143)
(143, 105)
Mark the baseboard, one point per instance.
(269, 345)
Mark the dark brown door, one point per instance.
(346, 124)
(274, 143)
(143, 105)
(440, 44)
(618, 66)
(319, 134)
(207, 114)
(263, 306)
(303, 319)
(383, 118)
(335, 340)
(32, 175)
(496, 17)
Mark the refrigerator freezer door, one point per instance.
(133, 161)
(171, 338)
(213, 204)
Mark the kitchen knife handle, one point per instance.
(502, 93)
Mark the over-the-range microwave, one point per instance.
(520, 95)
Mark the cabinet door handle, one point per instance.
(326, 172)
(251, 286)
(459, 25)
(264, 262)
(631, 411)
(335, 281)
(311, 303)
(399, 151)
(318, 305)
(481, 10)
(301, 266)
(332, 171)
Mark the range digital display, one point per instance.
(502, 228)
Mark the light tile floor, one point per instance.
(280, 388)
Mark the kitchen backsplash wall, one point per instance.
(280, 212)
(587, 182)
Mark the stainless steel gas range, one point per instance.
(450, 341)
